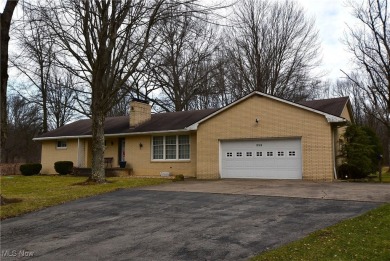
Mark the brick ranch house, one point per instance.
(257, 136)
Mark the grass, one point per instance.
(374, 177)
(366, 237)
(27, 194)
(385, 175)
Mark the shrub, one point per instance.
(361, 150)
(63, 167)
(179, 177)
(347, 171)
(30, 169)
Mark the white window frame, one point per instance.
(62, 142)
(177, 148)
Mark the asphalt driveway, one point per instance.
(169, 225)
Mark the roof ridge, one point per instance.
(342, 97)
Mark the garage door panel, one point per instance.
(266, 159)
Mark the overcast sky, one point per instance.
(331, 18)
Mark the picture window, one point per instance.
(173, 147)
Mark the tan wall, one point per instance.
(345, 114)
(112, 151)
(88, 153)
(140, 158)
(51, 154)
(276, 119)
(340, 137)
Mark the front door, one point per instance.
(121, 150)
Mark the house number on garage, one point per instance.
(259, 145)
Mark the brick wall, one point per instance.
(142, 164)
(276, 119)
(51, 154)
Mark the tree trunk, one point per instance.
(5, 23)
(388, 148)
(98, 172)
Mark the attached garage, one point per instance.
(262, 158)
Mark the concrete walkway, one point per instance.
(338, 190)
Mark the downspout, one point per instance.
(334, 128)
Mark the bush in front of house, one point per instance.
(360, 152)
(348, 171)
(63, 167)
(30, 169)
(179, 177)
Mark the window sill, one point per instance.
(171, 160)
(61, 148)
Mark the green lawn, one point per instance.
(37, 192)
(366, 237)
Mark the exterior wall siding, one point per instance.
(340, 137)
(111, 151)
(137, 158)
(50, 154)
(141, 161)
(276, 120)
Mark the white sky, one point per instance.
(331, 18)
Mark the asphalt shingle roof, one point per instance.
(173, 120)
(117, 125)
(332, 106)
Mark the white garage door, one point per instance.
(263, 159)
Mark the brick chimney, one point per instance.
(140, 112)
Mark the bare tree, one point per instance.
(369, 42)
(61, 98)
(346, 88)
(182, 63)
(273, 48)
(5, 23)
(34, 60)
(103, 43)
(24, 124)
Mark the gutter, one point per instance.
(111, 135)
